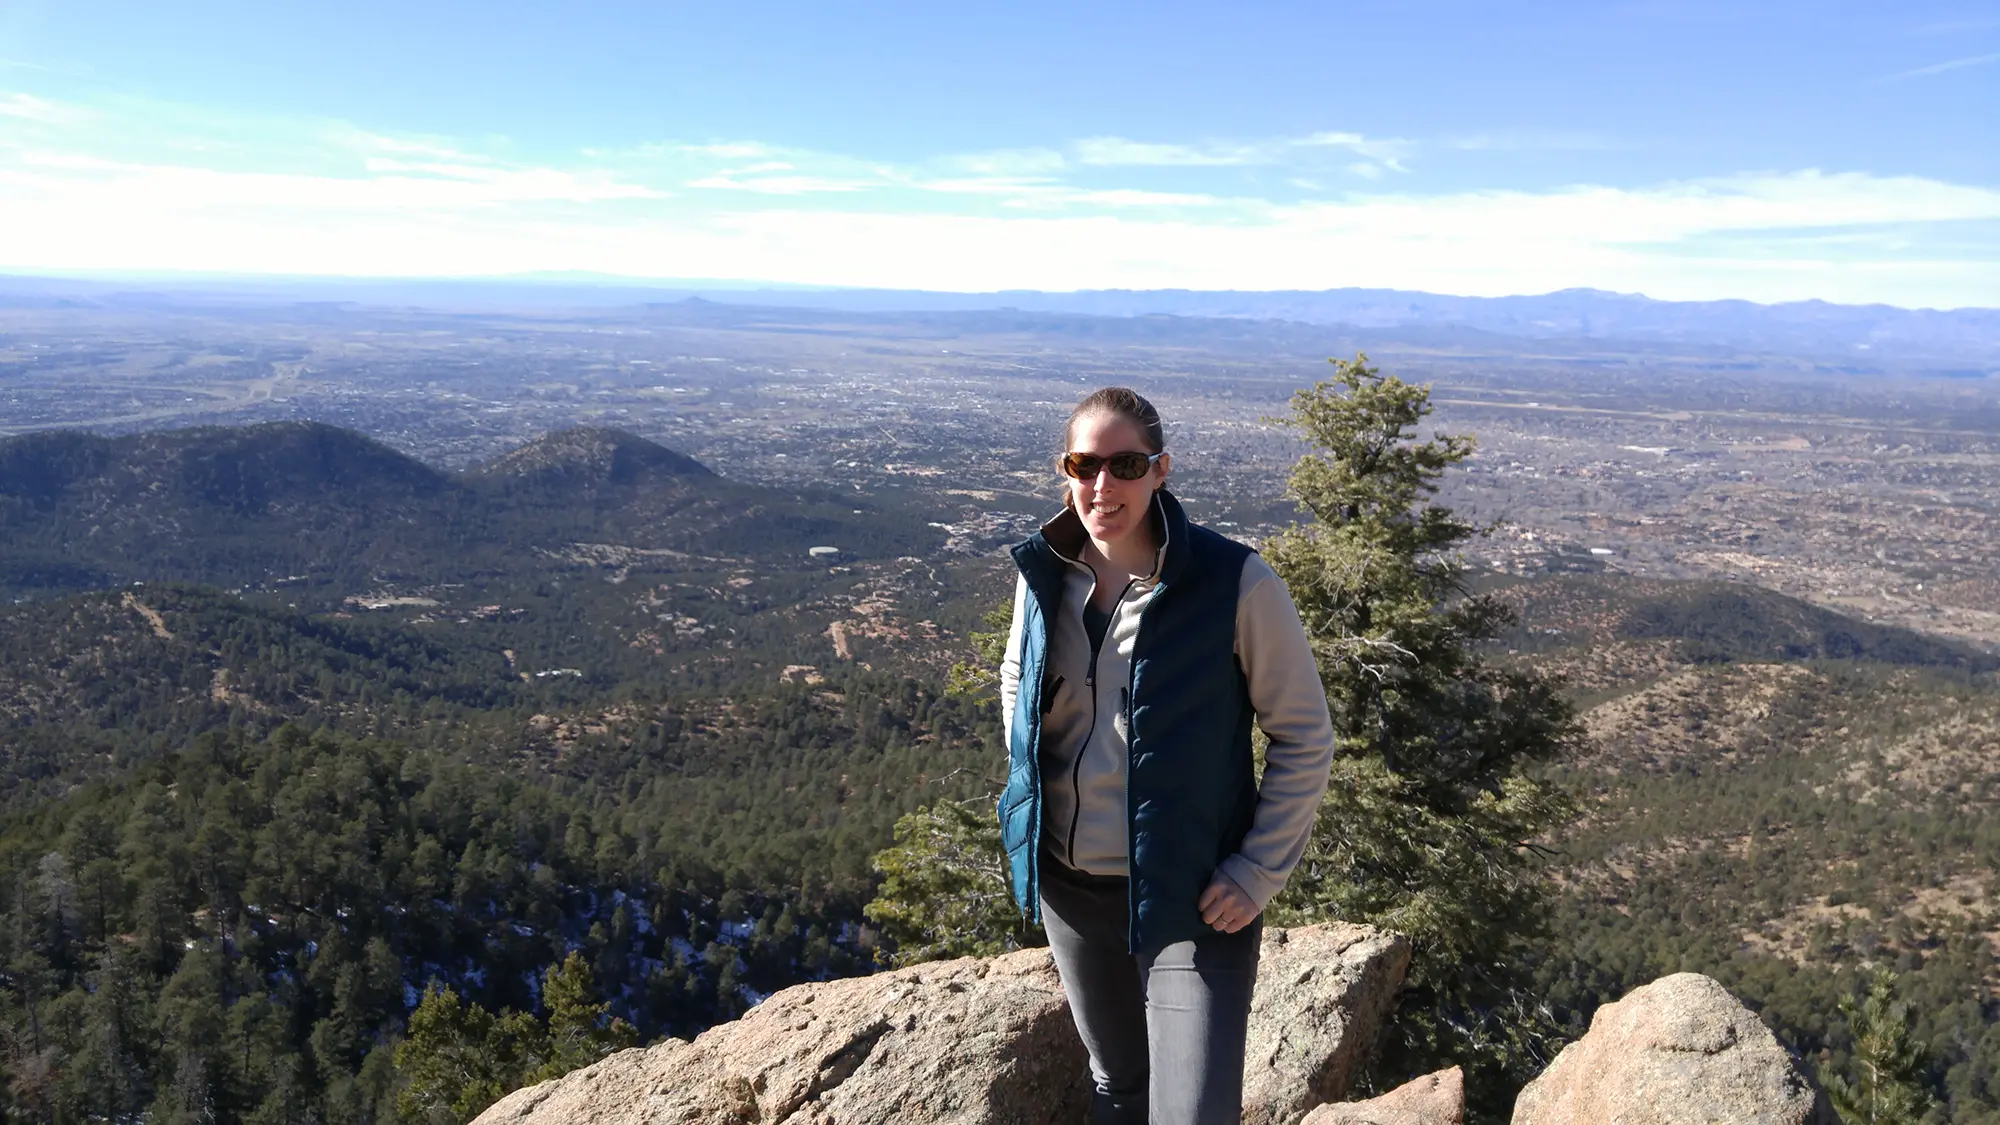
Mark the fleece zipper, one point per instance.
(1090, 681)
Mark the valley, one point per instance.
(352, 648)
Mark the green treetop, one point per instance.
(1885, 1083)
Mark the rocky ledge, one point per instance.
(990, 1042)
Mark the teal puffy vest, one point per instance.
(1191, 790)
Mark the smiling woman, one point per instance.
(1142, 648)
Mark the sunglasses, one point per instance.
(1124, 466)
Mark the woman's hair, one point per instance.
(1125, 403)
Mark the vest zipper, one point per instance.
(1131, 836)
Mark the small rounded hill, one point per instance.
(591, 457)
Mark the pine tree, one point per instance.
(456, 1059)
(980, 675)
(1885, 1083)
(581, 1029)
(1433, 812)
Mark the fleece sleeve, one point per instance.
(1290, 703)
(1010, 664)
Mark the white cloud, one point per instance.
(28, 107)
(363, 141)
(1530, 141)
(393, 206)
(399, 187)
(1008, 163)
(775, 185)
(1120, 152)
(1387, 152)
(1133, 197)
(728, 150)
(1116, 152)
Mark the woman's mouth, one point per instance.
(1107, 509)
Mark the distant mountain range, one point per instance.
(1806, 327)
(1964, 341)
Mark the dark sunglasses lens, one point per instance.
(1082, 466)
(1129, 466)
(1124, 466)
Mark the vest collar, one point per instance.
(1065, 535)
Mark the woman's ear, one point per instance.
(1161, 467)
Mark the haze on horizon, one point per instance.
(1678, 148)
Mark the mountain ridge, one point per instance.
(292, 501)
(1967, 334)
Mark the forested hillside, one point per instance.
(345, 726)
(238, 929)
(309, 755)
(1785, 800)
(324, 512)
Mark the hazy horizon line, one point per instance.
(588, 280)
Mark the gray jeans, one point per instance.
(1165, 1030)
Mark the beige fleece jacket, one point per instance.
(1083, 730)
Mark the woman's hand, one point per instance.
(1225, 906)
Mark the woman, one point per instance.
(1142, 649)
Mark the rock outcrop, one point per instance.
(1678, 1051)
(1434, 1099)
(1323, 992)
(990, 1042)
(971, 1042)
(965, 1041)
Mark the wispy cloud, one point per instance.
(766, 184)
(1940, 68)
(1016, 162)
(45, 68)
(363, 141)
(728, 150)
(1330, 212)
(1387, 152)
(28, 107)
(1530, 141)
(1117, 152)
(1957, 26)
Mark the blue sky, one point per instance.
(1683, 149)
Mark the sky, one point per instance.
(1678, 148)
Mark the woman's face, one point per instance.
(1112, 509)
